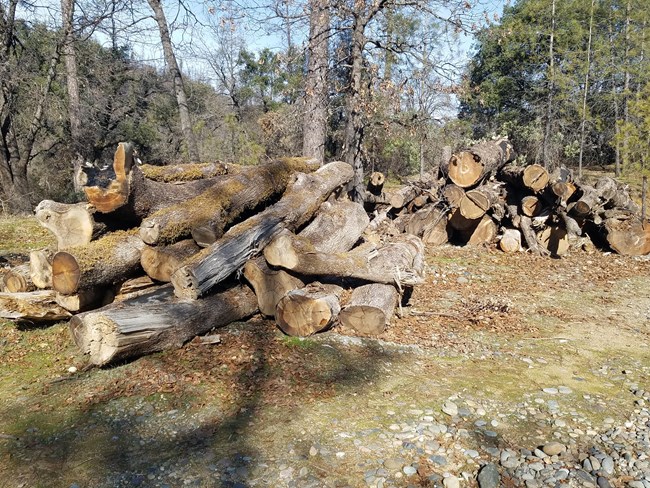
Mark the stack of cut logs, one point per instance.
(481, 197)
(157, 256)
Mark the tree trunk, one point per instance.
(206, 215)
(104, 262)
(182, 173)
(72, 77)
(161, 262)
(72, 224)
(370, 308)
(308, 310)
(177, 78)
(314, 125)
(270, 285)
(156, 321)
(399, 262)
(299, 203)
(35, 306)
(546, 153)
(467, 168)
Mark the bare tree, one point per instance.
(71, 72)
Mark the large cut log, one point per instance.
(470, 166)
(510, 241)
(308, 310)
(160, 262)
(270, 285)
(475, 203)
(32, 306)
(179, 173)
(17, 279)
(484, 233)
(299, 203)
(207, 215)
(122, 189)
(155, 321)
(534, 177)
(629, 237)
(104, 262)
(398, 262)
(72, 224)
(337, 226)
(370, 308)
(40, 268)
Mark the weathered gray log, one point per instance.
(299, 203)
(72, 224)
(104, 262)
(206, 216)
(470, 166)
(337, 226)
(429, 223)
(160, 262)
(32, 306)
(404, 195)
(370, 309)
(155, 321)
(308, 310)
(525, 224)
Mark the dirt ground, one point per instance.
(488, 328)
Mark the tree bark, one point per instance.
(177, 78)
(314, 125)
(467, 168)
(299, 203)
(370, 309)
(107, 261)
(156, 321)
(206, 215)
(33, 306)
(72, 224)
(182, 173)
(161, 262)
(72, 77)
(270, 285)
(308, 310)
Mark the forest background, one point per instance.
(387, 85)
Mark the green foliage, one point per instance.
(637, 133)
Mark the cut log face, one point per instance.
(483, 233)
(376, 183)
(270, 285)
(207, 215)
(161, 262)
(469, 167)
(110, 190)
(370, 309)
(429, 223)
(72, 224)
(105, 262)
(534, 177)
(531, 206)
(32, 306)
(308, 310)
(510, 241)
(555, 239)
(299, 203)
(453, 194)
(477, 202)
(17, 280)
(156, 321)
(86, 299)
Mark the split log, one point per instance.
(122, 189)
(534, 177)
(510, 241)
(370, 308)
(105, 262)
(398, 262)
(376, 183)
(155, 321)
(87, 299)
(206, 216)
(161, 262)
(32, 306)
(308, 310)
(475, 203)
(531, 206)
(72, 224)
(555, 239)
(453, 194)
(270, 285)
(17, 279)
(337, 226)
(629, 237)
(470, 166)
(40, 269)
(180, 173)
(299, 203)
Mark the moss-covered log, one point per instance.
(181, 173)
(104, 262)
(206, 216)
(300, 202)
(155, 321)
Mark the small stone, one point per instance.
(603, 483)
(608, 465)
(451, 482)
(450, 408)
(554, 448)
(565, 390)
(394, 464)
(488, 476)
(313, 451)
(471, 453)
(439, 460)
(72, 369)
(303, 472)
(550, 391)
(636, 484)
(409, 470)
